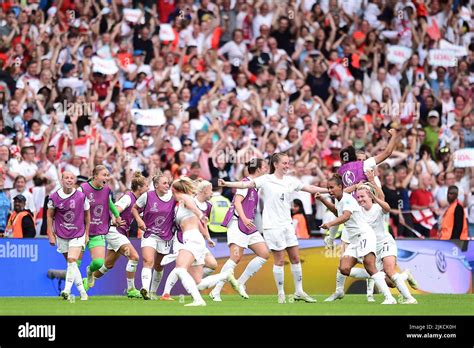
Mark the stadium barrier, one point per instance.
(439, 267)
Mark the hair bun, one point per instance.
(137, 174)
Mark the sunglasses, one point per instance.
(187, 144)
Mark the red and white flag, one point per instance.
(424, 217)
(82, 147)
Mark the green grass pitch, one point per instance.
(234, 305)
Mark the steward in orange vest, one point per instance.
(20, 223)
(454, 223)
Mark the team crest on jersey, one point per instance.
(98, 210)
(69, 216)
(154, 208)
(159, 221)
(349, 178)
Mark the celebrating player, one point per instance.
(68, 222)
(157, 223)
(99, 195)
(278, 231)
(242, 232)
(362, 242)
(117, 238)
(192, 243)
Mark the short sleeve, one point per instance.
(87, 205)
(348, 204)
(124, 202)
(296, 185)
(259, 181)
(369, 164)
(242, 192)
(141, 201)
(80, 189)
(50, 204)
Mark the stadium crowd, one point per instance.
(226, 81)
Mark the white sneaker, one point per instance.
(243, 291)
(370, 298)
(411, 300)
(411, 280)
(338, 295)
(84, 296)
(198, 303)
(390, 300)
(90, 278)
(215, 297)
(281, 298)
(235, 284)
(304, 297)
(65, 294)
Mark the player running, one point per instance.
(278, 229)
(242, 232)
(191, 221)
(99, 195)
(117, 238)
(68, 221)
(157, 225)
(362, 241)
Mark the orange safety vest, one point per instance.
(447, 223)
(301, 228)
(14, 223)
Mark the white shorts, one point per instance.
(280, 238)
(237, 237)
(194, 242)
(365, 244)
(115, 240)
(384, 249)
(161, 246)
(64, 244)
(177, 246)
(344, 235)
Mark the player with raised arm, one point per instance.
(117, 238)
(99, 195)
(68, 221)
(242, 232)
(278, 230)
(362, 241)
(157, 225)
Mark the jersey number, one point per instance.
(385, 248)
(282, 197)
(363, 243)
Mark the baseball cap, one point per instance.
(20, 198)
(433, 113)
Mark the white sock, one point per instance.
(379, 278)
(297, 277)
(78, 280)
(70, 275)
(340, 281)
(359, 273)
(170, 282)
(146, 278)
(212, 280)
(403, 276)
(206, 271)
(189, 284)
(279, 275)
(370, 286)
(155, 283)
(401, 286)
(252, 268)
(229, 264)
(103, 269)
(131, 267)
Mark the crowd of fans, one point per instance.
(233, 80)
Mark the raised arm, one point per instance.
(389, 149)
(314, 189)
(237, 184)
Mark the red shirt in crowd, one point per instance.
(421, 197)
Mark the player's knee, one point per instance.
(148, 263)
(109, 264)
(294, 260)
(345, 270)
(236, 257)
(211, 264)
(265, 255)
(71, 259)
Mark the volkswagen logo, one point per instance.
(441, 261)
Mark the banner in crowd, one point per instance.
(464, 158)
(149, 117)
(133, 15)
(104, 66)
(459, 51)
(445, 58)
(166, 32)
(398, 54)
